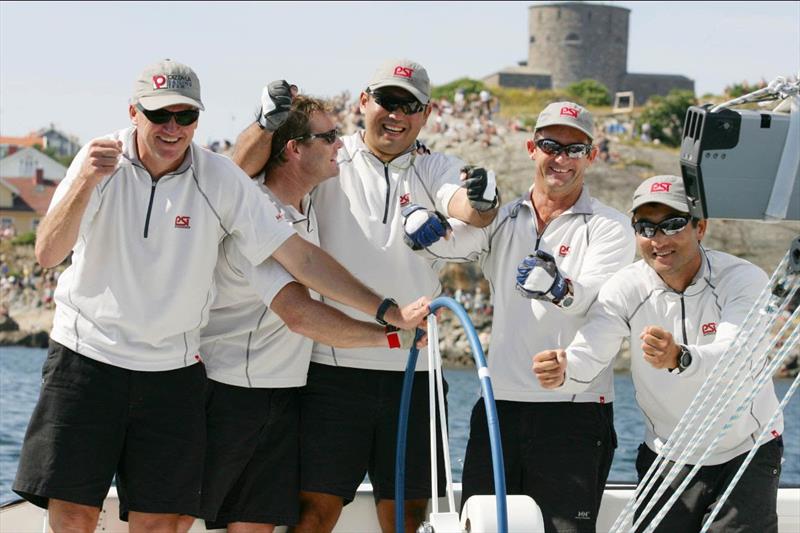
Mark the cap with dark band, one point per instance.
(405, 74)
(567, 114)
(667, 190)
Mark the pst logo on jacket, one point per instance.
(709, 329)
(182, 222)
(405, 199)
(563, 250)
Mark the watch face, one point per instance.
(567, 301)
(686, 358)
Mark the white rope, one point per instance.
(754, 321)
(743, 467)
(432, 346)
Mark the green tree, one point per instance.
(589, 92)
(448, 90)
(665, 115)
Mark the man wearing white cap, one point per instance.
(350, 404)
(556, 245)
(681, 306)
(143, 211)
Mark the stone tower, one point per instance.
(575, 41)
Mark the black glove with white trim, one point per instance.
(276, 102)
(481, 187)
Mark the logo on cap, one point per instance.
(710, 328)
(569, 112)
(405, 72)
(661, 186)
(159, 81)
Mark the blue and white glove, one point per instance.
(276, 102)
(538, 278)
(422, 227)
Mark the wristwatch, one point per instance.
(385, 304)
(568, 298)
(684, 358)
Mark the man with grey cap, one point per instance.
(143, 211)
(545, 255)
(686, 304)
(351, 401)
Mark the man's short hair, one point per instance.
(296, 126)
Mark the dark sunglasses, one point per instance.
(392, 103)
(329, 136)
(162, 116)
(573, 151)
(668, 227)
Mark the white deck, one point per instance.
(359, 516)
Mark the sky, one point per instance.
(73, 64)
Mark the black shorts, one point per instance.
(557, 453)
(252, 472)
(349, 428)
(750, 507)
(94, 419)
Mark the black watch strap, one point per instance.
(385, 304)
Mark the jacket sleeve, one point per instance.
(736, 294)
(466, 244)
(612, 246)
(599, 339)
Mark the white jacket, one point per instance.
(245, 343)
(705, 318)
(141, 280)
(590, 241)
(361, 226)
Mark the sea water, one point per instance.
(20, 378)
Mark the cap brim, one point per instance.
(683, 208)
(151, 103)
(565, 123)
(407, 86)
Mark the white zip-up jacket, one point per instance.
(361, 226)
(141, 280)
(590, 241)
(705, 318)
(245, 343)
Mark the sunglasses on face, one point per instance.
(573, 151)
(329, 136)
(668, 227)
(392, 103)
(162, 116)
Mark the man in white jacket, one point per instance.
(351, 401)
(556, 245)
(142, 211)
(686, 305)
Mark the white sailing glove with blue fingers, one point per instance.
(538, 278)
(422, 227)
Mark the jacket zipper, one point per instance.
(683, 321)
(149, 209)
(388, 190)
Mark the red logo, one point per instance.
(563, 251)
(569, 112)
(198, 358)
(405, 199)
(279, 216)
(662, 186)
(403, 71)
(159, 81)
(710, 328)
(775, 434)
(182, 222)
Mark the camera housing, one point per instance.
(741, 164)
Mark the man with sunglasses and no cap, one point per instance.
(351, 402)
(143, 211)
(681, 306)
(557, 245)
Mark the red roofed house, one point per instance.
(25, 192)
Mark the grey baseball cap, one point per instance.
(405, 74)
(567, 114)
(667, 190)
(167, 83)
